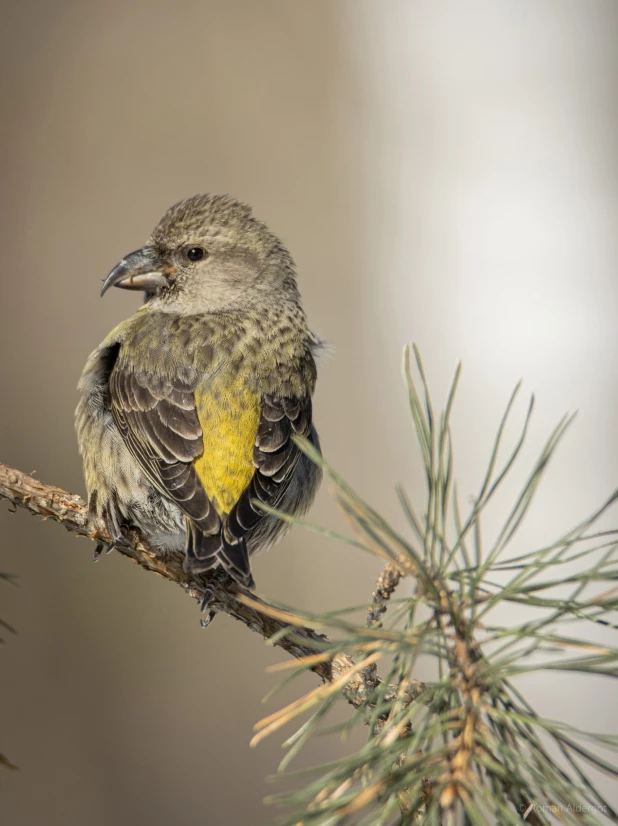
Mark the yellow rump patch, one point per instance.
(229, 415)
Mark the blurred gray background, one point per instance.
(442, 172)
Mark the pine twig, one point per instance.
(385, 587)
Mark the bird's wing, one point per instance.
(158, 421)
(275, 456)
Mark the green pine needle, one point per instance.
(467, 749)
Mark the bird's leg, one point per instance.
(215, 581)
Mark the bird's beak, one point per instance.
(140, 270)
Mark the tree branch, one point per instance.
(71, 511)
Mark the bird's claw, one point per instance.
(209, 593)
(206, 622)
(216, 581)
(100, 547)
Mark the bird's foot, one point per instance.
(115, 543)
(215, 581)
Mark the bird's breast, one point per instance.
(229, 414)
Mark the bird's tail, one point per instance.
(205, 552)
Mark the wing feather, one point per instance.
(275, 456)
(165, 438)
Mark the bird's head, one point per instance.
(208, 254)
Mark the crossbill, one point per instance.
(189, 408)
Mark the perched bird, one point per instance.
(189, 408)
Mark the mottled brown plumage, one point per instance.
(189, 408)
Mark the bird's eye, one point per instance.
(195, 254)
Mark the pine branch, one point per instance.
(71, 511)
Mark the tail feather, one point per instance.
(201, 549)
(205, 552)
(235, 559)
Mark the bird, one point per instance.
(189, 409)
